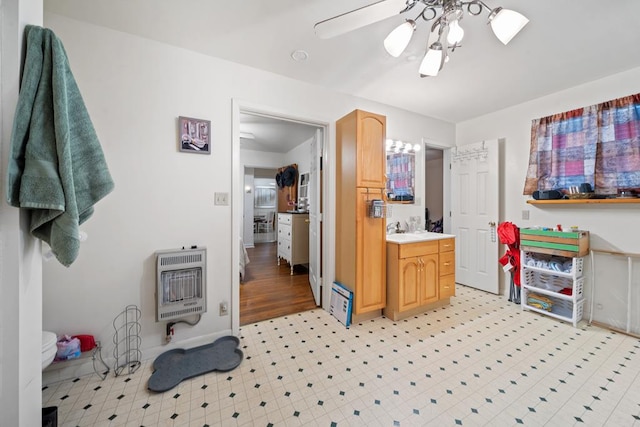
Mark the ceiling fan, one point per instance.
(445, 28)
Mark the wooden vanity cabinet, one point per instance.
(419, 276)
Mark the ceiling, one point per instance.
(260, 133)
(565, 44)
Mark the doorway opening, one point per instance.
(433, 189)
(270, 286)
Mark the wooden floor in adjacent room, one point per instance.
(269, 290)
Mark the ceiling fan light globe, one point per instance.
(432, 61)
(506, 23)
(398, 39)
(456, 33)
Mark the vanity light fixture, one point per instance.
(401, 147)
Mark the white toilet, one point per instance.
(49, 348)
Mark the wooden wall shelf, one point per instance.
(633, 200)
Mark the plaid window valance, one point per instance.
(598, 144)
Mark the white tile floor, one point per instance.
(479, 361)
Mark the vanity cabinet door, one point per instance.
(370, 151)
(429, 279)
(409, 283)
(418, 281)
(370, 256)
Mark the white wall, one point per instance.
(20, 265)
(261, 159)
(301, 156)
(609, 225)
(134, 90)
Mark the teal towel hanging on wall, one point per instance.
(57, 170)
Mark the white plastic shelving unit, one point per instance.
(543, 275)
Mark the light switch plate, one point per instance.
(221, 199)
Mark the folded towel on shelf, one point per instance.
(539, 301)
(57, 170)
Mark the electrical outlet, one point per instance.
(224, 308)
(221, 199)
(525, 214)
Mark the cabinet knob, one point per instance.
(446, 264)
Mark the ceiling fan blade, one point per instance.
(358, 18)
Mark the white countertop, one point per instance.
(424, 236)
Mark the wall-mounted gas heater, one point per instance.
(181, 283)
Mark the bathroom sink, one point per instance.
(421, 236)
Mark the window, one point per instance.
(265, 197)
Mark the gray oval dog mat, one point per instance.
(174, 366)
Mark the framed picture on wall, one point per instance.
(195, 135)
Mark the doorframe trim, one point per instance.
(328, 206)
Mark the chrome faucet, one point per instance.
(394, 227)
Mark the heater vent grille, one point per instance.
(181, 283)
(180, 259)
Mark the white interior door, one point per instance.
(474, 214)
(315, 217)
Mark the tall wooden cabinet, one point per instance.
(360, 238)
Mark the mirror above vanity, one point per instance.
(401, 166)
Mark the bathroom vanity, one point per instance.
(420, 273)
